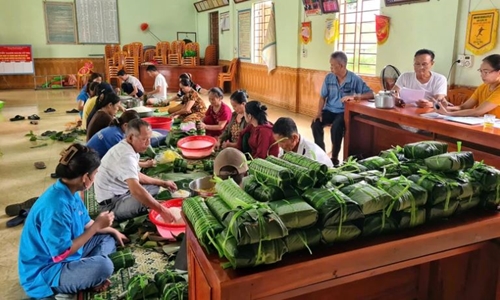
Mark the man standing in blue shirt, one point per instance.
(339, 86)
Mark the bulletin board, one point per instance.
(16, 60)
(245, 34)
(97, 21)
(60, 27)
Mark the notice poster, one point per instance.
(16, 59)
(244, 34)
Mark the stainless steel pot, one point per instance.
(385, 99)
(204, 186)
(130, 102)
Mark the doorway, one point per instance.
(214, 32)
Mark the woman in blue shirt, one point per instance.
(63, 251)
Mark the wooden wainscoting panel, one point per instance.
(278, 88)
(49, 66)
(373, 82)
(309, 86)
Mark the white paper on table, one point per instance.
(410, 96)
(433, 115)
(466, 120)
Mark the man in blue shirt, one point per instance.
(339, 86)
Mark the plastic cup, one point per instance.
(489, 120)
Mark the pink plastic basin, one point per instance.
(168, 230)
(197, 146)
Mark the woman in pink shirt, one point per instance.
(218, 114)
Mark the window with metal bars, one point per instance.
(357, 36)
(261, 15)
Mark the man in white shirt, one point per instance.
(119, 185)
(131, 85)
(159, 94)
(286, 133)
(434, 84)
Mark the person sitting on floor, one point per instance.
(231, 163)
(218, 114)
(106, 110)
(229, 137)
(85, 92)
(120, 187)
(100, 90)
(257, 138)
(192, 107)
(288, 138)
(159, 94)
(486, 98)
(131, 85)
(62, 250)
(180, 93)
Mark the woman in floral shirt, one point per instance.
(193, 108)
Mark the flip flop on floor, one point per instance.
(14, 209)
(34, 122)
(17, 118)
(19, 219)
(40, 165)
(34, 117)
(73, 111)
(48, 110)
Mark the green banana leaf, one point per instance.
(249, 184)
(351, 165)
(490, 200)
(378, 223)
(220, 209)
(264, 252)
(411, 167)
(439, 187)
(371, 176)
(467, 204)
(451, 161)
(344, 178)
(487, 176)
(333, 206)
(369, 198)
(404, 192)
(334, 233)
(424, 149)
(175, 291)
(168, 276)
(376, 163)
(301, 239)
(441, 210)
(159, 169)
(122, 259)
(267, 193)
(409, 218)
(395, 154)
(205, 225)
(141, 287)
(295, 213)
(183, 176)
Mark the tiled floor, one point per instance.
(19, 180)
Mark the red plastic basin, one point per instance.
(198, 146)
(168, 230)
(159, 122)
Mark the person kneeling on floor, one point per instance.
(120, 187)
(286, 134)
(62, 250)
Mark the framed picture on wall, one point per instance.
(397, 2)
(312, 7)
(329, 6)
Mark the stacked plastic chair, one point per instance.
(211, 56)
(176, 51)
(83, 74)
(109, 53)
(162, 51)
(194, 60)
(230, 75)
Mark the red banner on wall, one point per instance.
(382, 25)
(16, 59)
(16, 54)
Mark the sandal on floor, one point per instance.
(54, 175)
(34, 117)
(19, 219)
(40, 165)
(15, 209)
(48, 110)
(34, 122)
(17, 118)
(73, 111)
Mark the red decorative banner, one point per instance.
(382, 28)
(306, 33)
(15, 54)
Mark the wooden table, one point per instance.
(452, 260)
(370, 130)
(205, 76)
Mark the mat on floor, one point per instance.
(147, 262)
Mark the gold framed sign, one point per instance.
(482, 31)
